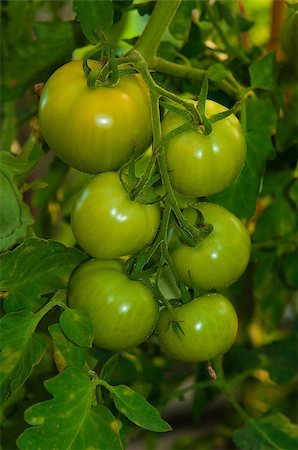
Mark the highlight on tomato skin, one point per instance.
(94, 130)
(199, 330)
(200, 165)
(107, 224)
(219, 259)
(124, 312)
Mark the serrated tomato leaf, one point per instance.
(69, 420)
(35, 268)
(136, 408)
(77, 326)
(94, 16)
(273, 431)
(263, 72)
(20, 350)
(65, 352)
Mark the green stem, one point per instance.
(59, 299)
(186, 71)
(149, 40)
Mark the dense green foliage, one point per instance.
(60, 390)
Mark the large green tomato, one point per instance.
(107, 224)
(200, 330)
(124, 312)
(94, 130)
(201, 165)
(219, 259)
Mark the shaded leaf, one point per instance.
(289, 267)
(52, 46)
(274, 431)
(15, 216)
(278, 358)
(217, 72)
(181, 22)
(240, 197)
(20, 349)
(94, 17)
(109, 368)
(263, 72)
(69, 421)
(136, 408)
(77, 327)
(35, 268)
(270, 293)
(65, 352)
(293, 193)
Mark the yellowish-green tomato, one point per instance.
(219, 259)
(200, 165)
(199, 330)
(94, 130)
(107, 224)
(124, 312)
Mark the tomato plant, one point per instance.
(199, 164)
(199, 330)
(148, 172)
(107, 224)
(123, 312)
(221, 258)
(94, 130)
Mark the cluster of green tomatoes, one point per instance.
(97, 131)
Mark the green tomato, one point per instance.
(107, 224)
(219, 259)
(124, 312)
(201, 165)
(94, 130)
(199, 330)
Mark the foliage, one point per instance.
(59, 390)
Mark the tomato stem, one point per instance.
(149, 41)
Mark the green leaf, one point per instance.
(35, 268)
(20, 350)
(278, 358)
(181, 22)
(51, 47)
(137, 409)
(94, 17)
(217, 72)
(109, 368)
(15, 216)
(8, 93)
(274, 431)
(240, 197)
(77, 327)
(278, 220)
(69, 421)
(293, 193)
(65, 352)
(270, 293)
(289, 267)
(263, 72)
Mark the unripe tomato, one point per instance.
(219, 259)
(107, 224)
(201, 165)
(94, 130)
(199, 330)
(124, 312)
